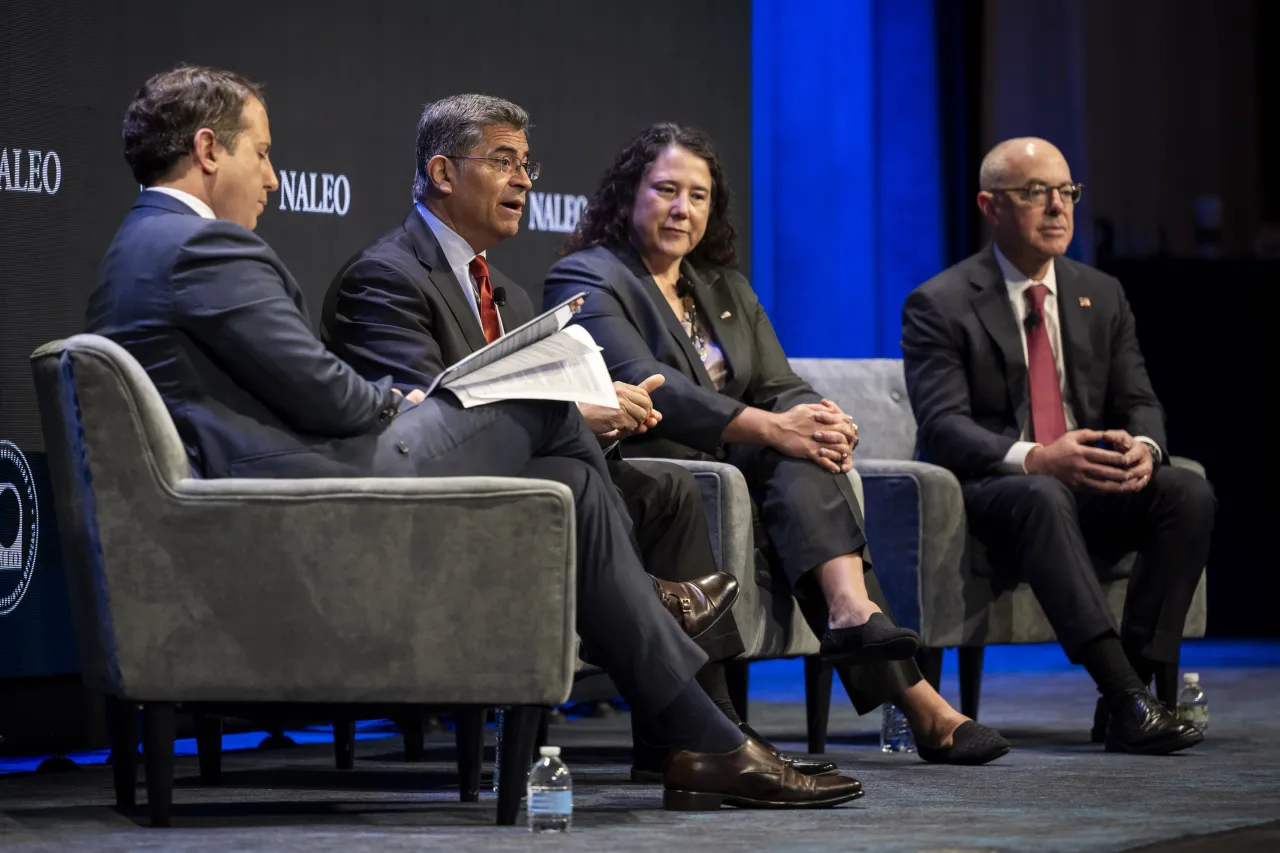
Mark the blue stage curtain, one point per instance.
(847, 176)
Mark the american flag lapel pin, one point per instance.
(726, 315)
(1085, 303)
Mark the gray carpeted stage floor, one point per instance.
(1054, 792)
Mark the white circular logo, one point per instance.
(19, 526)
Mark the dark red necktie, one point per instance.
(1048, 419)
(488, 311)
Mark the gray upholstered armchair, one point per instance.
(356, 596)
(932, 572)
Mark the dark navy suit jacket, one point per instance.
(220, 326)
(967, 376)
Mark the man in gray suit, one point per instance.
(219, 324)
(1027, 381)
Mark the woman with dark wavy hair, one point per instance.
(655, 254)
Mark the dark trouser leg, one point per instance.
(643, 649)
(1029, 526)
(806, 517)
(1169, 523)
(669, 524)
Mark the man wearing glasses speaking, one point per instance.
(1027, 382)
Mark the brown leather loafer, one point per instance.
(700, 603)
(750, 777)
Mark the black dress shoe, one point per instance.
(1141, 725)
(750, 777)
(875, 640)
(698, 604)
(647, 761)
(971, 744)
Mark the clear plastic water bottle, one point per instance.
(498, 714)
(1193, 706)
(895, 733)
(550, 793)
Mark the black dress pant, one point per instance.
(1035, 529)
(806, 516)
(621, 620)
(669, 528)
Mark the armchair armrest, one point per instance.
(916, 525)
(449, 590)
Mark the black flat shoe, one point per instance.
(1141, 725)
(971, 744)
(875, 640)
(647, 761)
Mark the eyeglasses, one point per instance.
(507, 165)
(1037, 193)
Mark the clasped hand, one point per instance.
(820, 432)
(1077, 460)
(635, 414)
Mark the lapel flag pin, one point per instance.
(725, 316)
(1085, 303)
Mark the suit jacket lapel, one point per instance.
(696, 369)
(717, 308)
(991, 302)
(1074, 321)
(431, 256)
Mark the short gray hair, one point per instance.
(454, 126)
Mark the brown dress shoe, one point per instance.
(750, 777)
(698, 604)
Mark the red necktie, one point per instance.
(1048, 418)
(488, 311)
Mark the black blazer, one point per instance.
(220, 326)
(396, 309)
(629, 318)
(967, 376)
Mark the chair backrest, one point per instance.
(114, 456)
(874, 392)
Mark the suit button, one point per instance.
(895, 396)
(402, 447)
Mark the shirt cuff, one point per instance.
(1015, 461)
(1156, 453)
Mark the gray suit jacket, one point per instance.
(219, 324)
(396, 309)
(967, 376)
(629, 318)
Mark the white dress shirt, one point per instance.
(1015, 461)
(186, 198)
(459, 254)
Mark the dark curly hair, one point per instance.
(162, 119)
(607, 220)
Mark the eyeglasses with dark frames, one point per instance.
(1038, 193)
(508, 165)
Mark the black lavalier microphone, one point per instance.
(1033, 320)
(683, 288)
(499, 296)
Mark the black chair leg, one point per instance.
(209, 748)
(544, 730)
(737, 676)
(159, 719)
(344, 743)
(1167, 684)
(817, 701)
(519, 729)
(468, 738)
(122, 716)
(970, 679)
(413, 728)
(930, 662)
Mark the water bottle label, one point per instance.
(1193, 714)
(551, 802)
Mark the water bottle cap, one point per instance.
(1190, 677)
(549, 752)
